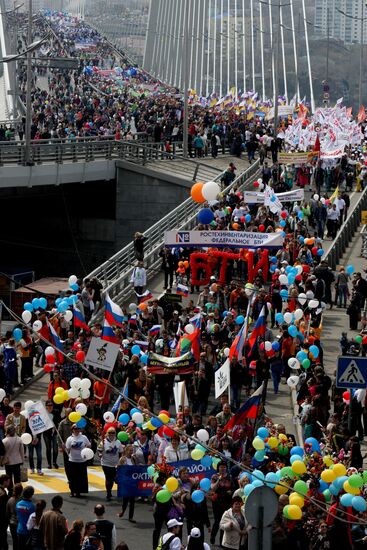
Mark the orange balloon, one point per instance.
(235, 226)
(143, 306)
(181, 264)
(196, 193)
(186, 264)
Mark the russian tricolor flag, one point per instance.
(147, 295)
(155, 330)
(259, 329)
(79, 319)
(113, 313)
(248, 410)
(182, 290)
(236, 349)
(108, 333)
(54, 338)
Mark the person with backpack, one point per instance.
(171, 540)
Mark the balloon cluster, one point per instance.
(79, 388)
(202, 192)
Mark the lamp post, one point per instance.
(28, 120)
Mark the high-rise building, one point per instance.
(342, 19)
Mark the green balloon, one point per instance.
(122, 436)
(355, 481)
(287, 472)
(301, 487)
(283, 450)
(163, 496)
(285, 512)
(359, 339)
(364, 475)
(327, 495)
(306, 363)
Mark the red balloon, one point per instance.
(243, 219)
(306, 268)
(80, 356)
(262, 346)
(298, 277)
(314, 250)
(51, 359)
(284, 214)
(168, 431)
(164, 412)
(262, 228)
(364, 340)
(48, 368)
(256, 184)
(346, 395)
(160, 431)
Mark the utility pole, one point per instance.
(29, 89)
(327, 44)
(186, 82)
(276, 70)
(361, 54)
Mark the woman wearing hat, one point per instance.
(110, 450)
(195, 540)
(77, 474)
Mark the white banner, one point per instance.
(180, 395)
(38, 418)
(218, 239)
(283, 110)
(222, 379)
(254, 197)
(332, 154)
(102, 354)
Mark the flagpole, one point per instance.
(123, 394)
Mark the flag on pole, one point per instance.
(334, 195)
(117, 404)
(55, 340)
(155, 330)
(222, 378)
(249, 409)
(79, 319)
(182, 290)
(147, 295)
(259, 329)
(113, 313)
(108, 333)
(236, 349)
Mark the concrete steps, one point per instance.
(187, 170)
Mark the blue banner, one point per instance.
(134, 481)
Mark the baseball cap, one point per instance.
(195, 533)
(173, 523)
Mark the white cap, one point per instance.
(173, 523)
(195, 533)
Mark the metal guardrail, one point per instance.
(115, 273)
(363, 234)
(346, 232)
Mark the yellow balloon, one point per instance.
(296, 499)
(74, 417)
(339, 469)
(58, 398)
(65, 395)
(349, 489)
(171, 484)
(294, 512)
(299, 467)
(280, 489)
(164, 418)
(273, 442)
(328, 476)
(258, 444)
(328, 461)
(197, 454)
(150, 426)
(282, 437)
(60, 389)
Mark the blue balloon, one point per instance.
(320, 252)
(205, 483)
(350, 269)
(288, 269)
(135, 350)
(283, 234)
(134, 410)
(200, 448)
(300, 215)
(156, 422)
(73, 299)
(292, 331)
(257, 474)
(339, 482)
(224, 314)
(315, 447)
(271, 478)
(323, 486)
(248, 218)
(297, 451)
(205, 216)
(294, 458)
(274, 260)
(291, 279)
(198, 496)
(333, 489)
(62, 307)
(275, 346)
(206, 461)
(346, 500)
(42, 303)
(279, 317)
(301, 356)
(359, 504)
(248, 489)
(260, 456)
(240, 320)
(74, 287)
(28, 306)
(284, 294)
(258, 482)
(282, 223)
(263, 433)
(315, 351)
(124, 418)
(144, 359)
(301, 239)
(81, 423)
(273, 268)
(17, 333)
(58, 301)
(246, 474)
(35, 303)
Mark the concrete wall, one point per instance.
(143, 197)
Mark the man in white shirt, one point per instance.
(173, 527)
(332, 221)
(340, 205)
(139, 278)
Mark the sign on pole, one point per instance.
(102, 354)
(38, 418)
(222, 379)
(180, 395)
(261, 509)
(351, 372)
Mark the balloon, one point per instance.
(26, 438)
(206, 461)
(340, 470)
(263, 433)
(359, 504)
(81, 408)
(124, 419)
(17, 333)
(75, 382)
(108, 417)
(72, 280)
(35, 303)
(163, 417)
(74, 417)
(315, 351)
(258, 444)
(59, 390)
(359, 339)
(75, 288)
(205, 484)
(197, 454)
(301, 355)
(68, 315)
(26, 316)
(302, 298)
(42, 302)
(267, 346)
(81, 423)
(189, 329)
(297, 451)
(205, 216)
(293, 363)
(123, 436)
(2, 394)
(279, 318)
(312, 304)
(196, 192)
(261, 228)
(49, 351)
(288, 317)
(203, 435)
(85, 384)
(226, 352)
(259, 456)
(271, 479)
(210, 190)
(135, 350)
(171, 484)
(163, 496)
(301, 487)
(87, 454)
(37, 325)
(346, 500)
(58, 398)
(283, 279)
(292, 381)
(291, 511)
(132, 307)
(315, 447)
(273, 442)
(28, 306)
(292, 331)
(137, 418)
(328, 476)
(355, 481)
(296, 499)
(80, 356)
(299, 467)
(350, 269)
(298, 314)
(306, 363)
(240, 320)
(73, 393)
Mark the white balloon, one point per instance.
(108, 416)
(293, 381)
(288, 317)
(85, 394)
(37, 325)
(299, 269)
(75, 382)
(268, 346)
(85, 384)
(26, 316)
(24, 413)
(316, 197)
(261, 186)
(298, 314)
(68, 315)
(189, 329)
(132, 307)
(293, 363)
(87, 454)
(49, 350)
(283, 279)
(323, 200)
(312, 304)
(26, 438)
(226, 352)
(2, 394)
(203, 435)
(81, 408)
(302, 298)
(28, 404)
(309, 294)
(73, 279)
(210, 190)
(260, 180)
(73, 393)
(137, 418)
